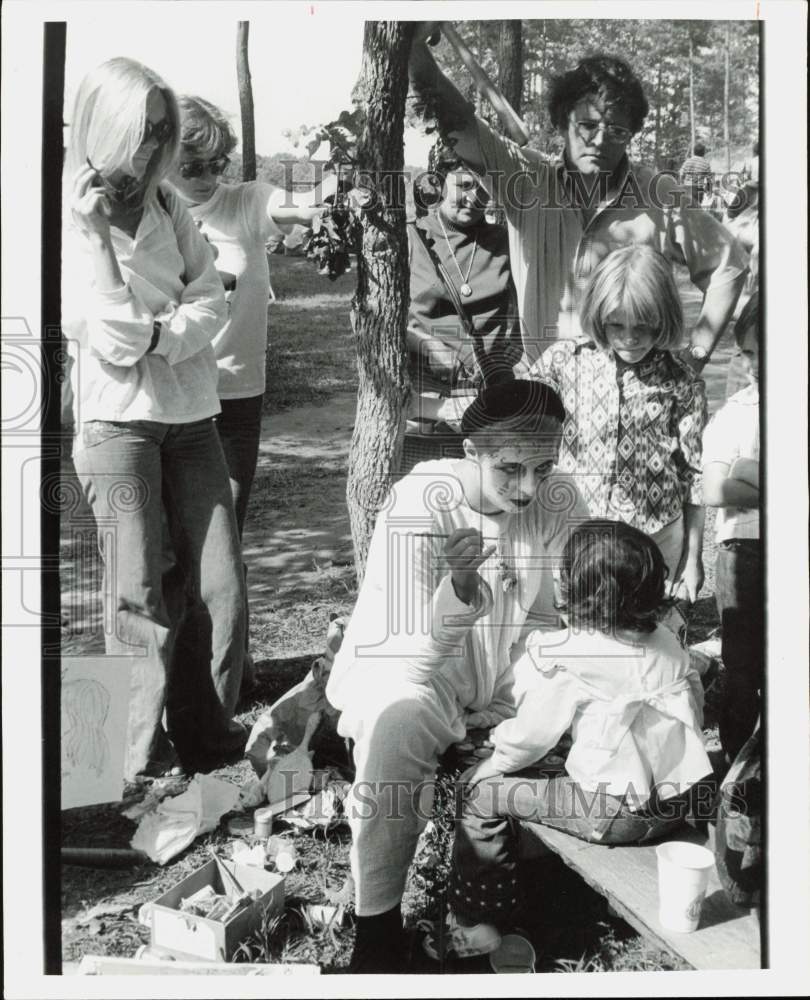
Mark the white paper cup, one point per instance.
(683, 873)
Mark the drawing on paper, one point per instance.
(85, 706)
(95, 709)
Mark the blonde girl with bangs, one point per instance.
(635, 412)
(141, 304)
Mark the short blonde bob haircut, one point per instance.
(109, 117)
(636, 281)
(206, 132)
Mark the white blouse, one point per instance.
(635, 712)
(170, 277)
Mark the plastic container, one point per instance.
(513, 955)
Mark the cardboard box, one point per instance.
(189, 936)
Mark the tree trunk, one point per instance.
(657, 152)
(510, 55)
(726, 82)
(245, 102)
(691, 96)
(380, 307)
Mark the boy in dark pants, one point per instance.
(731, 483)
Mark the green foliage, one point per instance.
(658, 51)
(281, 170)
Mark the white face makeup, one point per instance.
(509, 477)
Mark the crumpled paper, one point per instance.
(281, 727)
(252, 794)
(244, 854)
(176, 822)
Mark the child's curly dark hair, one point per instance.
(613, 577)
(607, 76)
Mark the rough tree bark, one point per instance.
(245, 102)
(510, 55)
(380, 306)
(726, 81)
(691, 94)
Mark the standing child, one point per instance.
(625, 688)
(634, 413)
(731, 476)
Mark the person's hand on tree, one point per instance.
(464, 552)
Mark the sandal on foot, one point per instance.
(464, 942)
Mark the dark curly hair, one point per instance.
(610, 78)
(613, 577)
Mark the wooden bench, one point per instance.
(728, 936)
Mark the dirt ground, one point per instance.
(298, 550)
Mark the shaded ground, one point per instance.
(298, 549)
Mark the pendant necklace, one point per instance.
(465, 289)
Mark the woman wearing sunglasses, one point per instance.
(238, 220)
(141, 303)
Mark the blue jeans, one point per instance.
(483, 882)
(240, 426)
(240, 429)
(738, 591)
(130, 472)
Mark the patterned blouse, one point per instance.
(632, 437)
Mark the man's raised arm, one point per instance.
(433, 92)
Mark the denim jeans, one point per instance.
(130, 472)
(240, 426)
(738, 589)
(483, 882)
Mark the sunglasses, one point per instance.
(160, 131)
(587, 131)
(126, 188)
(196, 168)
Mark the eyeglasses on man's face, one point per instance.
(588, 129)
(196, 168)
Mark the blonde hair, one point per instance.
(109, 117)
(637, 281)
(205, 130)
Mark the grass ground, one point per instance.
(298, 549)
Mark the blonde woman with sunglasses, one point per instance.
(141, 304)
(238, 220)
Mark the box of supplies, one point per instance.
(193, 920)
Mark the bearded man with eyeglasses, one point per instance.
(564, 216)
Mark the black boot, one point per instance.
(380, 944)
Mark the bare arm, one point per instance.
(718, 307)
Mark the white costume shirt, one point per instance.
(238, 220)
(169, 276)
(635, 712)
(408, 617)
(733, 433)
